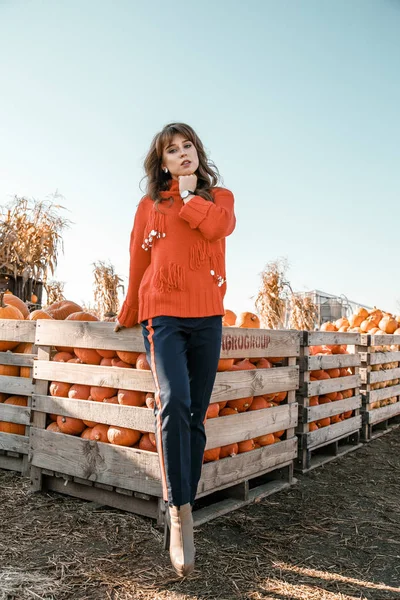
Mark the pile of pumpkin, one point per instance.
(142, 440)
(326, 374)
(374, 322)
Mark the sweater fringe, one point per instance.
(199, 253)
(155, 229)
(169, 278)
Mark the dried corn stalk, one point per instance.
(272, 295)
(106, 286)
(303, 313)
(30, 237)
(54, 291)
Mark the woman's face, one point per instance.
(180, 157)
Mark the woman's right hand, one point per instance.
(118, 327)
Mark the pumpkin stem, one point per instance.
(2, 305)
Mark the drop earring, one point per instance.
(165, 170)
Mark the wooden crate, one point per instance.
(376, 352)
(326, 443)
(129, 478)
(14, 448)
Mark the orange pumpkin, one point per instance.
(106, 362)
(60, 389)
(211, 455)
(328, 326)
(246, 446)
(122, 436)
(99, 433)
(88, 356)
(259, 402)
(86, 433)
(224, 364)
(36, 315)
(107, 353)
(324, 422)
(141, 362)
(70, 426)
(241, 405)
(81, 316)
(248, 320)
(388, 324)
(62, 357)
(9, 370)
(229, 450)
(15, 428)
(150, 400)
(131, 398)
(212, 410)
(53, 427)
(263, 363)
(99, 393)
(16, 302)
(333, 373)
(312, 426)
(8, 312)
(280, 397)
(356, 320)
(146, 443)
(128, 357)
(230, 318)
(244, 365)
(265, 440)
(117, 362)
(79, 391)
(61, 310)
(225, 412)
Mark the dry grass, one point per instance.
(303, 313)
(333, 536)
(106, 286)
(272, 295)
(54, 291)
(30, 237)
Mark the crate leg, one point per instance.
(355, 438)
(239, 491)
(303, 459)
(334, 447)
(25, 466)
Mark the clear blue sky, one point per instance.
(298, 103)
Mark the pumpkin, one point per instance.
(79, 391)
(265, 440)
(356, 320)
(141, 362)
(61, 310)
(333, 373)
(248, 320)
(211, 455)
(280, 397)
(241, 405)
(152, 438)
(336, 419)
(128, 357)
(99, 433)
(34, 299)
(245, 446)
(35, 315)
(62, 357)
(280, 433)
(212, 410)
(244, 365)
(8, 312)
(106, 362)
(86, 433)
(24, 348)
(366, 325)
(225, 412)
(229, 450)
(122, 436)
(339, 396)
(347, 414)
(3, 396)
(313, 401)
(131, 398)
(112, 400)
(343, 322)
(15, 428)
(263, 363)
(259, 402)
(107, 353)
(88, 356)
(224, 364)
(99, 393)
(222, 404)
(328, 326)
(117, 362)
(70, 426)
(53, 427)
(230, 318)
(325, 399)
(150, 401)
(312, 426)
(388, 324)
(75, 360)
(81, 316)
(90, 424)
(324, 422)
(16, 302)
(60, 389)
(9, 370)
(146, 444)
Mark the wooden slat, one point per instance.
(236, 342)
(324, 386)
(332, 432)
(16, 386)
(378, 358)
(320, 338)
(219, 474)
(381, 414)
(21, 360)
(383, 375)
(17, 331)
(111, 414)
(15, 414)
(228, 385)
(384, 340)
(105, 463)
(248, 425)
(333, 408)
(334, 361)
(14, 443)
(38, 419)
(388, 392)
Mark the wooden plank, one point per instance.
(15, 414)
(17, 331)
(332, 432)
(314, 413)
(114, 465)
(382, 394)
(14, 443)
(324, 386)
(105, 497)
(334, 361)
(21, 360)
(236, 342)
(320, 338)
(11, 463)
(384, 340)
(379, 358)
(101, 412)
(383, 375)
(228, 385)
(219, 474)
(16, 386)
(381, 414)
(248, 425)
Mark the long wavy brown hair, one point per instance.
(157, 181)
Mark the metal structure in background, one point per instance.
(330, 307)
(22, 289)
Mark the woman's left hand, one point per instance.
(187, 182)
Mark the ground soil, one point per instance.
(334, 535)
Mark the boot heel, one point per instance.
(167, 534)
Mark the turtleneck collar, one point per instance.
(173, 185)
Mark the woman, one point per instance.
(176, 290)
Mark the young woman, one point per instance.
(176, 290)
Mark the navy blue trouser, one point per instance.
(183, 354)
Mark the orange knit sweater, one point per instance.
(177, 257)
